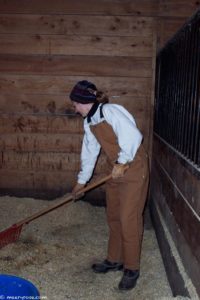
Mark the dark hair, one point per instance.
(102, 97)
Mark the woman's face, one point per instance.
(81, 109)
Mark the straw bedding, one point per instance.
(56, 252)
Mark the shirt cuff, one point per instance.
(121, 161)
(81, 181)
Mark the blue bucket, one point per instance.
(15, 286)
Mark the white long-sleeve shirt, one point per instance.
(128, 136)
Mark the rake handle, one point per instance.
(65, 201)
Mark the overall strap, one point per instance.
(94, 109)
(101, 110)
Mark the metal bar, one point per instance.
(182, 88)
(197, 134)
(178, 92)
(172, 97)
(193, 71)
(177, 106)
(195, 92)
(196, 145)
(157, 89)
(166, 97)
(187, 94)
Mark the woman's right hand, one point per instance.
(78, 187)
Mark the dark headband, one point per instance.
(84, 92)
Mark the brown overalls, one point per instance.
(125, 198)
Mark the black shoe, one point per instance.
(106, 266)
(128, 280)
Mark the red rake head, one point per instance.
(10, 235)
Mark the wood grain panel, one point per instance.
(22, 142)
(60, 104)
(182, 213)
(49, 124)
(184, 248)
(129, 86)
(33, 104)
(36, 161)
(167, 28)
(40, 124)
(46, 47)
(43, 185)
(181, 173)
(178, 8)
(76, 24)
(70, 143)
(45, 161)
(41, 181)
(183, 8)
(174, 275)
(88, 7)
(137, 46)
(76, 65)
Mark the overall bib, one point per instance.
(125, 199)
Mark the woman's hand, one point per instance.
(119, 170)
(78, 187)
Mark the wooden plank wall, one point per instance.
(175, 191)
(172, 14)
(45, 47)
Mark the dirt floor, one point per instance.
(56, 252)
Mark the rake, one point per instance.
(11, 234)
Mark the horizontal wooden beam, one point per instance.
(17, 123)
(86, 7)
(38, 142)
(137, 46)
(183, 8)
(62, 85)
(177, 216)
(23, 179)
(181, 173)
(44, 185)
(53, 124)
(45, 161)
(35, 104)
(178, 8)
(177, 204)
(174, 275)
(76, 65)
(76, 25)
(60, 104)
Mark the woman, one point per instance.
(112, 128)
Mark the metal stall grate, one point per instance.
(177, 103)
